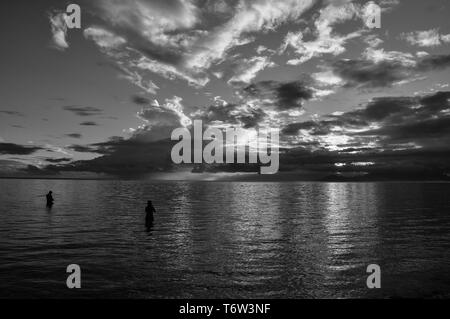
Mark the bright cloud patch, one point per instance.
(428, 38)
(59, 30)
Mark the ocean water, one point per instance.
(224, 240)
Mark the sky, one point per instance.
(349, 101)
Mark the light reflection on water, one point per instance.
(212, 239)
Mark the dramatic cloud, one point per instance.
(389, 137)
(428, 38)
(174, 40)
(236, 52)
(400, 137)
(255, 16)
(83, 110)
(15, 149)
(388, 123)
(161, 120)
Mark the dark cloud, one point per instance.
(436, 102)
(89, 123)
(424, 121)
(425, 133)
(12, 113)
(294, 128)
(74, 135)
(434, 62)
(58, 160)
(284, 96)
(156, 52)
(255, 98)
(83, 110)
(82, 148)
(394, 117)
(367, 74)
(387, 138)
(140, 100)
(15, 149)
(104, 148)
(381, 108)
(123, 157)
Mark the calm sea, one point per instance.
(224, 240)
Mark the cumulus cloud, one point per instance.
(172, 40)
(59, 30)
(325, 40)
(263, 105)
(260, 15)
(427, 38)
(161, 120)
(222, 113)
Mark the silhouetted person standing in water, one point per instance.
(49, 199)
(149, 210)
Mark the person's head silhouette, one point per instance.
(149, 203)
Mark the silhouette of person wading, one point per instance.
(149, 210)
(50, 199)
